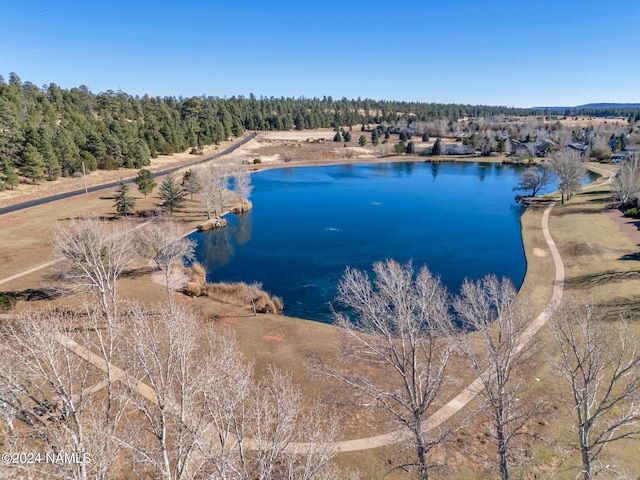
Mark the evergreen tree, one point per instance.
(337, 137)
(172, 194)
(437, 147)
(346, 136)
(145, 182)
(32, 166)
(374, 137)
(425, 136)
(400, 148)
(411, 148)
(124, 202)
(502, 146)
(11, 177)
(190, 183)
(45, 146)
(403, 136)
(362, 141)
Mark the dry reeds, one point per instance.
(240, 294)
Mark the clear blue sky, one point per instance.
(515, 53)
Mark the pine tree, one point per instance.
(124, 202)
(337, 137)
(411, 148)
(362, 141)
(437, 147)
(145, 182)
(11, 177)
(346, 136)
(32, 164)
(374, 137)
(172, 194)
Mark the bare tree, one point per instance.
(95, 255)
(260, 429)
(214, 183)
(241, 182)
(395, 346)
(163, 243)
(600, 363)
(162, 348)
(49, 389)
(534, 179)
(494, 343)
(627, 180)
(569, 168)
(203, 412)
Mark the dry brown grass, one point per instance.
(239, 294)
(599, 259)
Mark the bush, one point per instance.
(257, 161)
(632, 212)
(238, 294)
(7, 303)
(198, 273)
(194, 289)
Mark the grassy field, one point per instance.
(599, 259)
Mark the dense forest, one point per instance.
(48, 131)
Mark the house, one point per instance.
(454, 149)
(581, 148)
(534, 149)
(622, 155)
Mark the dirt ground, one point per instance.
(600, 258)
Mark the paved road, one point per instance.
(53, 198)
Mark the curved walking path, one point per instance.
(436, 419)
(469, 393)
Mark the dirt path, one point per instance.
(437, 418)
(470, 392)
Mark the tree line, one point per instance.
(49, 131)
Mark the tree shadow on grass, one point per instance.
(138, 272)
(610, 276)
(34, 294)
(622, 306)
(575, 210)
(631, 256)
(590, 193)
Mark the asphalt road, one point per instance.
(53, 198)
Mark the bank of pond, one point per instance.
(309, 223)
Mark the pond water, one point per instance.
(309, 223)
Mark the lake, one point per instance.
(309, 223)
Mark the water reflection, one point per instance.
(310, 223)
(245, 227)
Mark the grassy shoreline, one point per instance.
(591, 245)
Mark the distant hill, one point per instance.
(591, 106)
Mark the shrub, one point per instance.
(632, 212)
(198, 273)
(238, 294)
(257, 161)
(7, 303)
(194, 289)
